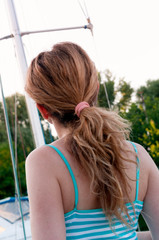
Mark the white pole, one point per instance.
(32, 110)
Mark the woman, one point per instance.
(91, 183)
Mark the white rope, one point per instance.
(86, 9)
(84, 12)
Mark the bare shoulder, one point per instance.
(46, 161)
(151, 207)
(39, 152)
(148, 168)
(43, 156)
(42, 171)
(146, 158)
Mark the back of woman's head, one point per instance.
(59, 80)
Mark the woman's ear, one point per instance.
(43, 111)
(98, 85)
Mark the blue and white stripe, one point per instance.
(93, 224)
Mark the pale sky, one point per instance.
(126, 36)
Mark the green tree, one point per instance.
(151, 139)
(107, 88)
(125, 91)
(148, 98)
(150, 90)
(6, 172)
(137, 119)
(144, 116)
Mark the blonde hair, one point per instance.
(60, 79)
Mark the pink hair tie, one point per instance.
(80, 107)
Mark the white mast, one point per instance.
(32, 110)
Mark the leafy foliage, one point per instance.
(107, 87)
(6, 172)
(126, 92)
(107, 90)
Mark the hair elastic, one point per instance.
(80, 106)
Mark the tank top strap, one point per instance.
(70, 171)
(137, 172)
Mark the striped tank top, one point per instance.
(94, 224)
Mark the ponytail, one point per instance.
(97, 143)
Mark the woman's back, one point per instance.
(64, 84)
(87, 201)
(86, 220)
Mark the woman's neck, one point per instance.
(60, 129)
